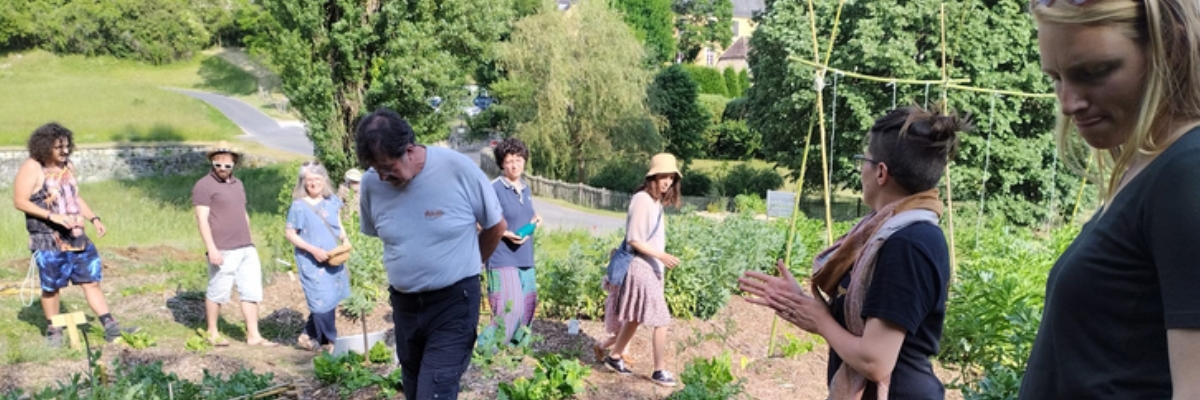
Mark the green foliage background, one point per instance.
(342, 59)
(990, 43)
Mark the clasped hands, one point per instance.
(784, 295)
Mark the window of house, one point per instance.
(710, 56)
(736, 25)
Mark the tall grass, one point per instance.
(103, 99)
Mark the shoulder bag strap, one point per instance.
(327, 226)
(653, 232)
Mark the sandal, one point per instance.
(599, 352)
(263, 343)
(304, 342)
(218, 341)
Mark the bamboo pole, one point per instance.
(955, 83)
(871, 77)
(787, 255)
(945, 109)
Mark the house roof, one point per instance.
(747, 8)
(738, 50)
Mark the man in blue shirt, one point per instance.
(425, 204)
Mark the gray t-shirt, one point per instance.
(428, 227)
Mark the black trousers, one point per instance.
(435, 335)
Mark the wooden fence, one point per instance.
(604, 199)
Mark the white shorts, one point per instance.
(241, 267)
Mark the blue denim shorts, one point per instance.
(61, 268)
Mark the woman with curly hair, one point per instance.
(512, 285)
(47, 191)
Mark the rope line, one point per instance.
(987, 158)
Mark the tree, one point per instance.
(651, 21)
(703, 23)
(732, 83)
(673, 96)
(576, 88)
(991, 43)
(342, 58)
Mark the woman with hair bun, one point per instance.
(879, 293)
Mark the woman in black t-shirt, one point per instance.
(1121, 317)
(881, 288)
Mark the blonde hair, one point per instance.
(1169, 32)
(300, 192)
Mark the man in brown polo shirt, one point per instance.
(220, 201)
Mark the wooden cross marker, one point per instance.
(71, 322)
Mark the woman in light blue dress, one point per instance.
(314, 227)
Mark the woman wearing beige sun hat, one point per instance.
(640, 299)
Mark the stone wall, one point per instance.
(122, 162)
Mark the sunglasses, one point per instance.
(218, 165)
(310, 163)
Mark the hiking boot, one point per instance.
(663, 378)
(54, 336)
(617, 365)
(113, 330)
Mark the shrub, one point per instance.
(695, 183)
(751, 204)
(744, 179)
(709, 79)
(734, 141)
(995, 305)
(709, 379)
(736, 109)
(732, 83)
(569, 286)
(621, 175)
(714, 255)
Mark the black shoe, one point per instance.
(617, 365)
(663, 378)
(54, 336)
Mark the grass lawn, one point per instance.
(104, 99)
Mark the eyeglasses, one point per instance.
(1077, 3)
(310, 163)
(861, 158)
(218, 165)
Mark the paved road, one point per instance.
(258, 126)
(559, 217)
(263, 129)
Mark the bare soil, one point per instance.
(740, 331)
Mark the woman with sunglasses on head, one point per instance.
(1121, 316)
(314, 227)
(47, 191)
(880, 290)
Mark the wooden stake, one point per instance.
(71, 323)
